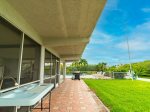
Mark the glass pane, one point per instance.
(30, 61)
(48, 64)
(57, 70)
(58, 66)
(10, 42)
(54, 65)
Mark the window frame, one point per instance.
(21, 57)
(20, 60)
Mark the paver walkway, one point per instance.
(74, 96)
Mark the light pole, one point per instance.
(129, 55)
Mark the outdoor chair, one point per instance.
(7, 82)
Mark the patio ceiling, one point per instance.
(63, 25)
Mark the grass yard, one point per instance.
(122, 95)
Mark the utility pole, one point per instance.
(129, 55)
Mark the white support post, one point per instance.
(42, 65)
(64, 70)
(20, 61)
(59, 66)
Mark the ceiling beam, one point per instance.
(70, 57)
(64, 41)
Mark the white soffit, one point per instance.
(64, 25)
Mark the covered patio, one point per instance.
(73, 96)
(37, 39)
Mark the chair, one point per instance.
(7, 82)
(1, 74)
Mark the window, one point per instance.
(54, 65)
(57, 70)
(48, 64)
(10, 54)
(11, 40)
(30, 61)
(10, 47)
(58, 66)
(13, 57)
(51, 68)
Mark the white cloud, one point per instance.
(136, 44)
(147, 10)
(111, 5)
(100, 38)
(139, 38)
(142, 28)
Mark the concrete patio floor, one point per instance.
(74, 96)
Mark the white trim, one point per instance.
(54, 76)
(47, 78)
(8, 89)
(51, 77)
(30, 83)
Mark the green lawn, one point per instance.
(122, 95)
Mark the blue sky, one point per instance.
(121, 19)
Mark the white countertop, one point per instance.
(25, 96)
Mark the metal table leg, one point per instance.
(41, 104)
(49, 101)
(29, 109)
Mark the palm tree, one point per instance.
(75, 64)
(83, 62)
(101, 66)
